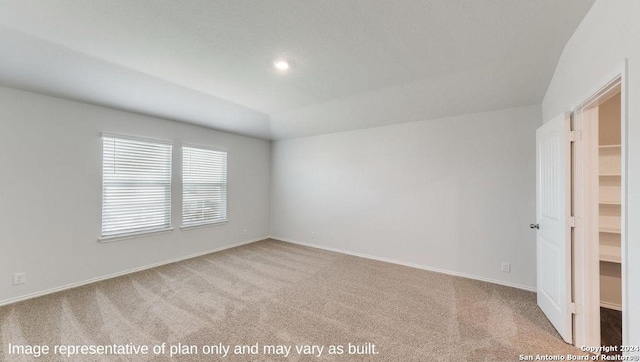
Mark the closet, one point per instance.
(610, 191)
(581, 220)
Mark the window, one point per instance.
(136, 186)
(204, 186)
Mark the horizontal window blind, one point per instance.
(136, 186)
(204, 186)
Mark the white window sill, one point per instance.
(141, 234)
(197, 226)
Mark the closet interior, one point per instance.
(610, 226)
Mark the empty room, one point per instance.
(319, 180)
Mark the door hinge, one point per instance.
(573, 308)
(575, 136)
(571, 221)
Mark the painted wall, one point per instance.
(609, 125)
(609, 34)
(454, 194)
(50, 192)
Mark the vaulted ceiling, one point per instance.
(356, 63)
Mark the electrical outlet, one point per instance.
(245, 232)
(312, 235)
(506, 267)
(19, 278)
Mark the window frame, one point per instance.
(184, 226)
(141, 233)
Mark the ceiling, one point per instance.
(357, 63)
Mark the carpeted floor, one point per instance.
(275, 293)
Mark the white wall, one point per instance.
(609, 33)
(455, 194)
(50, 193)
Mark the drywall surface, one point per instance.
(609, 34)
(609, 125)
(50, 193)
(454, 194)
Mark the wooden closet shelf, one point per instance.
(610, 254)
(610, 230)
(609, 147)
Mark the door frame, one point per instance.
(586, 265)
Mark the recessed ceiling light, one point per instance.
(282, 64)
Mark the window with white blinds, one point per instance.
(204, 186)
(136, 186)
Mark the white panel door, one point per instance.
(553, 203)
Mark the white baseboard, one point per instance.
(134, 270)
(417, 266)
(611, 306)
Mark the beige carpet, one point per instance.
(275, 293)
